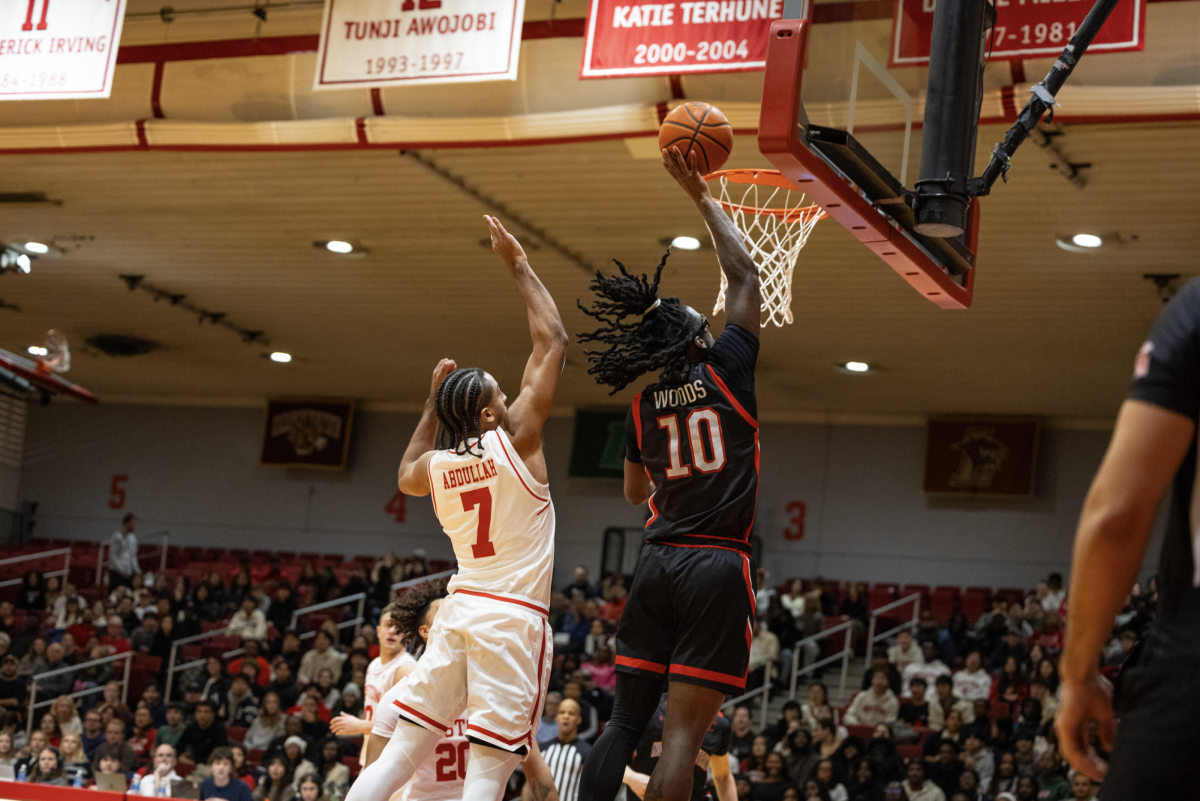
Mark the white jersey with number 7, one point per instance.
(499, 519)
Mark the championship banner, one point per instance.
(626, 38)
(303, 433)
(58, 49)
(1024, 29)
(991, 458)
(367, 43)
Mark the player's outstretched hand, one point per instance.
(686, 173)
(504, 244)
(444, 368)
(344, 724)
(1083, 702)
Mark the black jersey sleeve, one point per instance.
(633, 449)
(735, 353)
(1167, 370)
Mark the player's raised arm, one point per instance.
(743, 300)
(528, 413)
(412, 478)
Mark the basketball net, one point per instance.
(775, 223)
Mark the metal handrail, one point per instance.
(872, 637)
(844, 655)
(172, 668)
(127, 656)
(362, 596)
(764, 690)
(65, 572)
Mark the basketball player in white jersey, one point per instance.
(393, 663)
(441, 777)
(490, 652)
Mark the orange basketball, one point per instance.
(699, 127)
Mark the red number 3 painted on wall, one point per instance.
(797, 511)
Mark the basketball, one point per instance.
(699, 127)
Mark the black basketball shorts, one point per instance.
(688, 616)
(1157, 706)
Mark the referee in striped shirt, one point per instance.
(564, 754)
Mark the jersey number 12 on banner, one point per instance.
(481, 498)
(700, 457)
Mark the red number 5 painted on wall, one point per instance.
(797, 511)
(116, 492)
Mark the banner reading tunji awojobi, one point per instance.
(367, 43)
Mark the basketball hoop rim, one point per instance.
(772, 178)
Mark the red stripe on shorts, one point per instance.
(525, 604)
(420, 716)
(494, 736)
(711, 675)
(641, 664)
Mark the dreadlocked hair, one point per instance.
(458, 401)
(406, 613)
(656, 338)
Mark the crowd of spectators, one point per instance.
(264, 718)
(955, 710)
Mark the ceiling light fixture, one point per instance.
(857, 367)
(1091, 243)
(37, 350)
(37, 247)
(281, 357)
(338, 246)
(686, 243)
(13, 259)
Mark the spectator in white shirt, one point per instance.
(946, 702)
(929, 669)
(163, 774)
(249, 622)
(793, 599)
(973, 682)
(763, 599)
(905, 652)
(916, 788)
(1055, 596)
(764, 647)
(874, 706)
(122, 553)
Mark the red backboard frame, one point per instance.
(779, 139)
(43, 379)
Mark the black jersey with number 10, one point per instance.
(699, 444)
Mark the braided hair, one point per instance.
(657, 338)
(458, 401)
(407, 612)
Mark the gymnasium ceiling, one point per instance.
(1051, 333)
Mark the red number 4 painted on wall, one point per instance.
(397, 507)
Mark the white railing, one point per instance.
(844, 655)
(872, 637)
(764, 690)
(65, 553)
(162, 558)
(360, 597)
(34, 704)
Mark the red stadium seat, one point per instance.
(1012, 595)
(909, 751)
(862, 732)
(352, 763)
(236, 733)
(943, 604)
(974, 606)
(880, 596)
(151, 664)
(255, 756)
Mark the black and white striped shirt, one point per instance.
(565, 761)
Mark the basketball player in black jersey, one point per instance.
(692, 452)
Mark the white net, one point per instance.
(775, 224)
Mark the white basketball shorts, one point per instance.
(489, 656)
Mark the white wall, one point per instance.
(195, 472)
